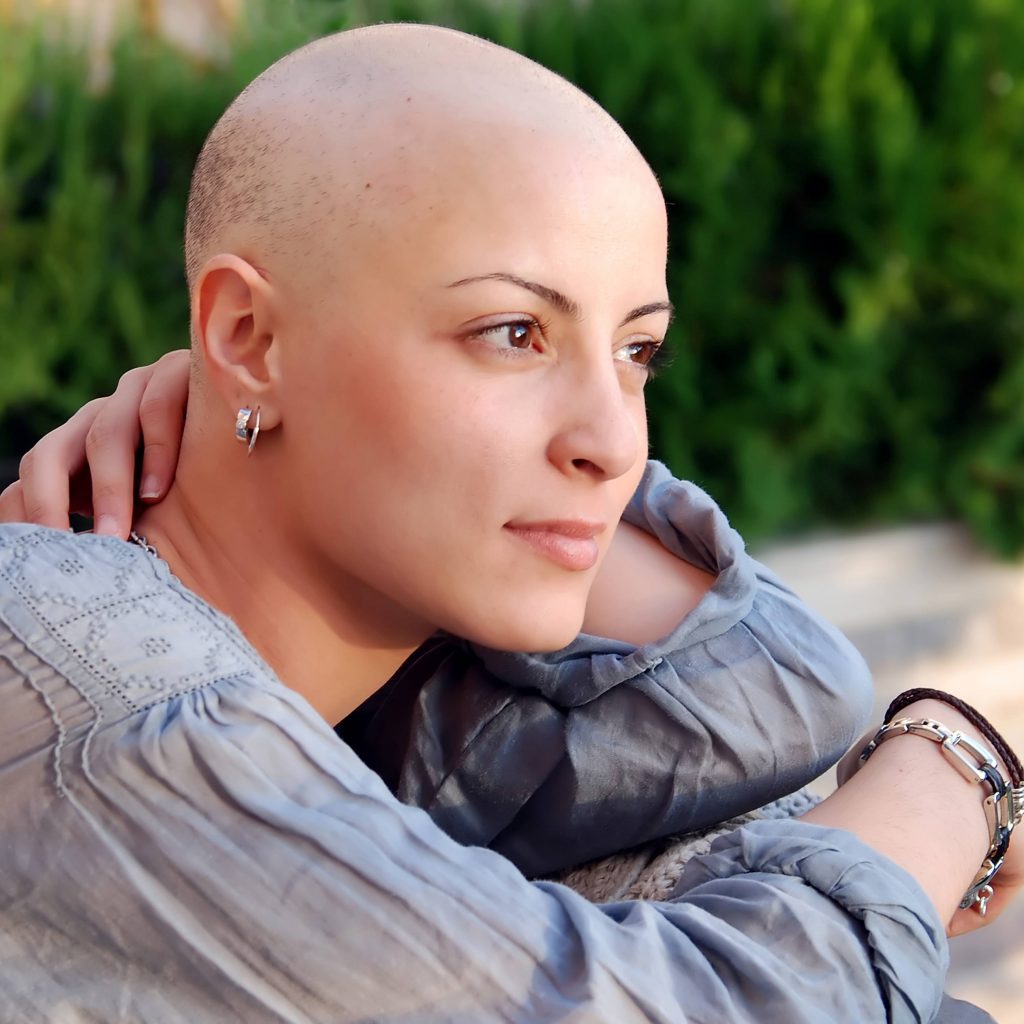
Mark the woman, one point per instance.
(471, 367)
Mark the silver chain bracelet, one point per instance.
(1004, 806)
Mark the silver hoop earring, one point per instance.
(243, 432)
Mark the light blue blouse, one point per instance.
(182, 839)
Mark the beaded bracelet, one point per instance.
(1004, 806)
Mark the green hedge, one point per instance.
(846, 188)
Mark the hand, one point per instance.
(1006, 886)
(88, 464)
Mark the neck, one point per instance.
(327, 636)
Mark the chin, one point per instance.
(533, 634)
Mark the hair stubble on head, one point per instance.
(288, 155)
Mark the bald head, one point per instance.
(364, 122)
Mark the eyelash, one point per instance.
(531, 323)
(659, 359)
(658, 356)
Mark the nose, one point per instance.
(600, 429)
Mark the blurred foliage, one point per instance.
(93, 183)
(846, 193)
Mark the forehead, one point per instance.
(542, 182)
(528, 193)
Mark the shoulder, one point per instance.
(68, 566)
(112, 620)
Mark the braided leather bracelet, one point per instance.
(975, 717)
(1004, 806)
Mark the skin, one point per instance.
(474, 373)
(88, 466)
(422, 401)
(910, 802)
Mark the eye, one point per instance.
(521, 334)
(643, 352)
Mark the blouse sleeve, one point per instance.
(184, 841)
(222, 856)
(556, 759)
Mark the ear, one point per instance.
(234, 327)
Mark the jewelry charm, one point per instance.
(243, 432)
(984, 894)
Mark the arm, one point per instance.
(214, 852)
(313, 895)
(605, 745)
(642, 591)
(736, 695)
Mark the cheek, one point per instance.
(415, 444)
(348, 438)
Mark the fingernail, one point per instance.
(106, 526)
(150, 487)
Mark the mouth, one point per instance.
(569, 543)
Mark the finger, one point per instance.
(12, 504)
(110, 450)
(963, 922)
(969, 920)
(46, 470)
(162, 415)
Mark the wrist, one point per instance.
(967, 741)
(917, 811)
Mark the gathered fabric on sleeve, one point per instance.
(186, 842)
(556, 759)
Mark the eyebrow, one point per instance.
(562, 302)
(647, 309)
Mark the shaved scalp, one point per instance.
(358, 119)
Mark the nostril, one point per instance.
(587, 466)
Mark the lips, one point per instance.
(569, 543)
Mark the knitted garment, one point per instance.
(651, 871)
